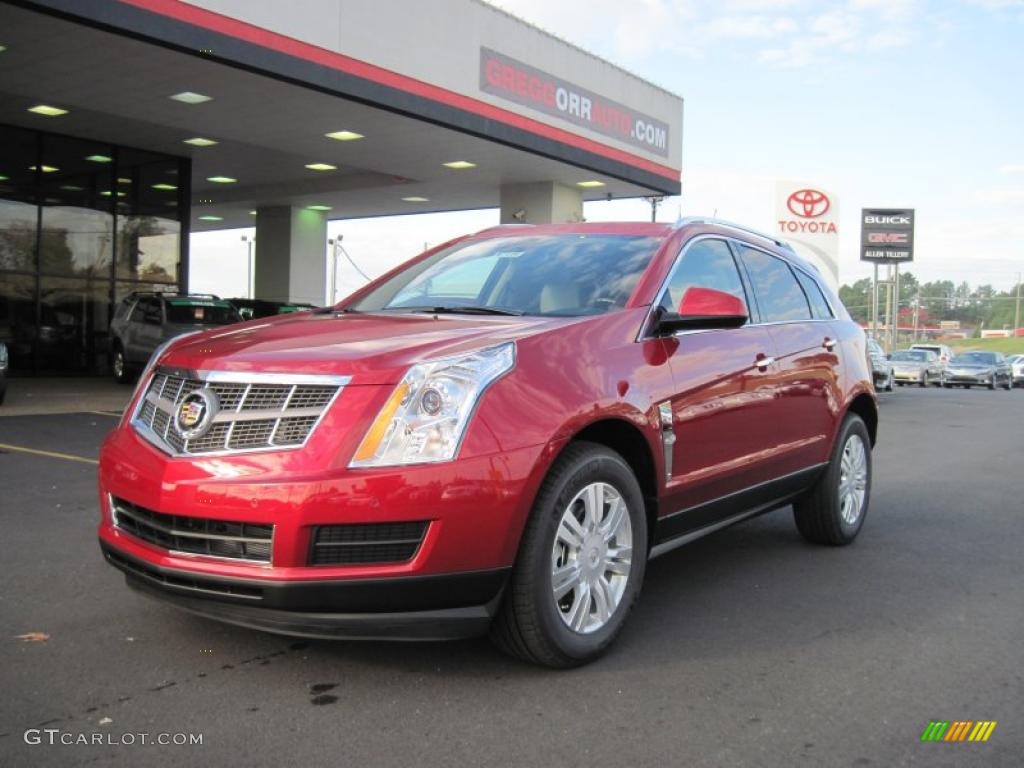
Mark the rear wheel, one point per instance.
(119, 366)
(833, 510)
(580, 564)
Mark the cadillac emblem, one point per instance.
(195, 413)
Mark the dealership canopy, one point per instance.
(128, 124)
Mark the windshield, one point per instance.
(976, 358)
(200, 312)
(553, 275)
(911, 355)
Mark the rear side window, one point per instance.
(779, 295)
(819, 306)
(200, 312)
(705, 264)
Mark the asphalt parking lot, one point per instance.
(749, 647)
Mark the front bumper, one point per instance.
(905, 375)
(474, 508)
(968, 378)
(413, 608)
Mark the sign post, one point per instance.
(887, 237)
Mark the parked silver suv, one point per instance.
(144, 321)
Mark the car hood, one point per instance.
(972, 367)
(908, 365)
(371, 348)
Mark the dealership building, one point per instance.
(126, 125)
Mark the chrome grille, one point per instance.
(255, 412)
(195, 535)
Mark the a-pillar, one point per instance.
(291, 255)
(542, 202)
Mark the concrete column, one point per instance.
(542, 202)
(291, 255)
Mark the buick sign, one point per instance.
(887, 235)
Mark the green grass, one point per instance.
(1012, 346)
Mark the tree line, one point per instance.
(980, 306)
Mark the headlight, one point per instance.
(427, 414)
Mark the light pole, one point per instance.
(1016, 313)
(655, 201)
(250, 242)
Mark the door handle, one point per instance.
(763, 362)
(829, 344)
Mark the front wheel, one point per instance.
(580, 564)
(833, 510)
(992, 382)
(924, 380)
(1009, 383)
(888, 382)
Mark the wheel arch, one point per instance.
(627, 440)
(865, 406)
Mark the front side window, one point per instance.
(706, 263)
(564, 275)
(779, 295)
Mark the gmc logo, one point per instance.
(879, 238)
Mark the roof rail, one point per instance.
(175, 292)
(683, 221)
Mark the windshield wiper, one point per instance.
(461, 310)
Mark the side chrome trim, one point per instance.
(668, 435)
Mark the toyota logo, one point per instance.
(195, 413)
(808, 203)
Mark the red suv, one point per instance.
(495, 435)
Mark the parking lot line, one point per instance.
(50, 454)
(115, 414)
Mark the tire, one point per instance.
(1009, 383)
(532, 624)
(992, 382)
(821, 517)
(123, 373)
(888, 382)
(924, 380)
(946, 385)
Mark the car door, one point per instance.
(806, 371)
(721, 409)
(145, 325)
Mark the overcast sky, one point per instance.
(884, 102)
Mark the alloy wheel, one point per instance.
(853, 479)
(591, 558)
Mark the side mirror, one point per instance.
(704, 308)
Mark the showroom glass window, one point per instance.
(82, 223)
